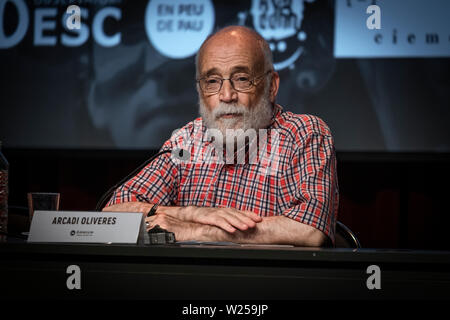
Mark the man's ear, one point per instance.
(274, 85)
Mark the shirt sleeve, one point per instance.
(311, 184)
(155, 183)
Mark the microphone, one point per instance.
(107, 194)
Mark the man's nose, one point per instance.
(227, 92)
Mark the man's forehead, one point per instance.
(231, 52)
(232, 69)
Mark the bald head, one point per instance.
(239, 36)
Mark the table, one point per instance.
(220, 272)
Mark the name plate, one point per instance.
(87, 227)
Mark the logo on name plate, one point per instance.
(79, 233)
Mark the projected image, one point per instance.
(126, 77)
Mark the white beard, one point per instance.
(258, 117)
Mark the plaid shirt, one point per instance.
(293, 173)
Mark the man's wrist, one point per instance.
(189, 213)
(181, 213)
(205, 232)
(174, 212)
(129, 206)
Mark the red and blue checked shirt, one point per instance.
(293, 173)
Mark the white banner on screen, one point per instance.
(409, 28)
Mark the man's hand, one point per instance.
(228, 219)
(226, 224)
(183, 230)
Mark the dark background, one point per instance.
(131, 96)
(393, 179)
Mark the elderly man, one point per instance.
(296, 203)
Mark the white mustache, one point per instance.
(224, 108)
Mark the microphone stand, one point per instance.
(107, 194)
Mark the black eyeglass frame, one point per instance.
(252, 83)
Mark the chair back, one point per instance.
(344, 237)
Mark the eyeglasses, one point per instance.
(240, 82)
